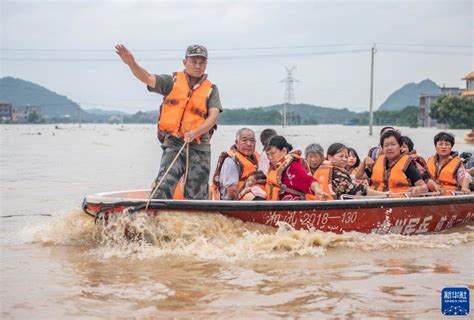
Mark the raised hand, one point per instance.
(124, 54)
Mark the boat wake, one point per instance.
(206, 236)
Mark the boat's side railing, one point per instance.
(350, 196)
(405, 194)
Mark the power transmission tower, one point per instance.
(289, 91)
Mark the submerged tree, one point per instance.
(33, 117)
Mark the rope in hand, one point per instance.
(186, 170)
(166, 172)
(187, 128)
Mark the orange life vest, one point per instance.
(179, 191)
(395, 180)
(275, 187)
(446, 175)
(245, 165)
(324, 177)
(184, 108)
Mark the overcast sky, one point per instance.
(249, 43)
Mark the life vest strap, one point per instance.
(173, 102)
(217, 173)
(284, 188)
(198, 112)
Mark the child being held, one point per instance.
(254, 188)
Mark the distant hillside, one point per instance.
(408, 95)
(100, 112)
(19, 93)
(314, 114)
(296, 114)
(55, 107)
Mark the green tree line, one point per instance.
(259, 116)
(407, 117)
(456, 112)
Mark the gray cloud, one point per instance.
(334, 80)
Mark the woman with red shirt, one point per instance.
(287, 178)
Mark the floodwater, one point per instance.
(55, 263)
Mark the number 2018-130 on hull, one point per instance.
(406, 216)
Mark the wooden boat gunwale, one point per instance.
(405, 216)
(106, 198)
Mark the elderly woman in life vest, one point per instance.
(314, 156)
(393, 171)
(288, 178)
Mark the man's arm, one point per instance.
(210, 121)
(229, 179)
(141, 74)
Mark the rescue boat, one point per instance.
(407, 216)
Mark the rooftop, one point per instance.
(470, 76)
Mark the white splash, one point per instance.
(207, 236)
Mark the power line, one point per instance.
(249, 48)
(277, 55)
(180, 50)
(262, 56)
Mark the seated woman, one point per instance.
(314, 156)
(287, 178)
(353, 161)
(374, 152)
(446, 168)
(333, 177)
(393, 171)
(254, 188)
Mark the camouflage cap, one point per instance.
(196, 51)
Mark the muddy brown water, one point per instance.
(55, 263)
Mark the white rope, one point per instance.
(164, 175)
(186, 170)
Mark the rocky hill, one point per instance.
(20, 93)
(408, 95)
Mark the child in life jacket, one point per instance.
(254, 188)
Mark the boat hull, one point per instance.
(395, 216)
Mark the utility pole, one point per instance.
(79, 114)
(371, 113)
(289, 91)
